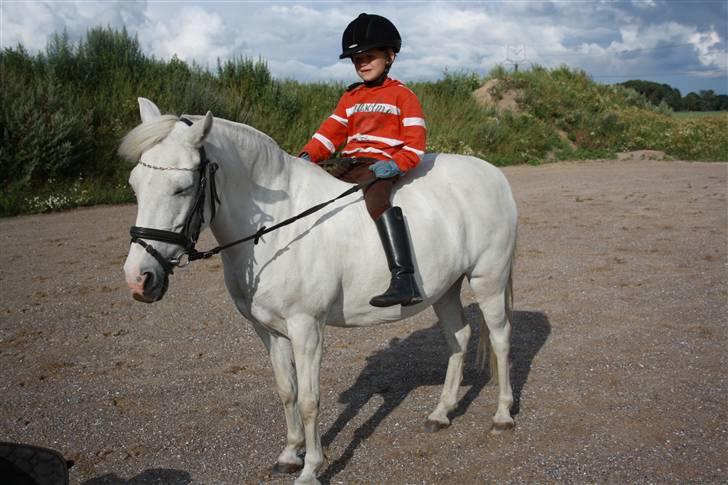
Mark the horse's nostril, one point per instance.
(148, 281)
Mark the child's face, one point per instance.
(370, 64)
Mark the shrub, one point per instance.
(43, 135)
(64, 111)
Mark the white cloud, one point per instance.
(302, 40)
(191, 34)
(33, 22)
(28, 25)
(708, 52)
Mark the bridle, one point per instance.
(196, 217)
(190, 233)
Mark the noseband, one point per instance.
(193, 223)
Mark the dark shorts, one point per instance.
(377, 196)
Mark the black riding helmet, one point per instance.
(369, 32)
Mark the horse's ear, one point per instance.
(199, 130)
(148, 110)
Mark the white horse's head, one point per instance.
(166, 181)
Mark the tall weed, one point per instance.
(64, 111)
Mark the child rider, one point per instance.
(382, 124)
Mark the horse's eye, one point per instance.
(182, 191)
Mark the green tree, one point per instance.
(708, 100)
(657, 93)
(722, 102)
(691, 102)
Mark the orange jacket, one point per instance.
(383, 122)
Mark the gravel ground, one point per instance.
(618, 352)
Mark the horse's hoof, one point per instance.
(307, 481)
(285, 468)
(432, 426)
(499, 428)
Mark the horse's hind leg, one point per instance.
(449, 310)
(284, 371)
(493, 306)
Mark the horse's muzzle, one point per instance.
(149, 287)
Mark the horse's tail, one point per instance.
(484, 345)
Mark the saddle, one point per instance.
(340, 166)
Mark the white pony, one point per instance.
(323, 269)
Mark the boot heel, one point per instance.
(413, 301)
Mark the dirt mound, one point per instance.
(507, 101)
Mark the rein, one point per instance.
(190, 233)
(194, 255)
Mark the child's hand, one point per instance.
(385, 169)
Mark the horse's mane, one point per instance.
(248, 136)
(149, 133)
(145, 136)
(262, 140)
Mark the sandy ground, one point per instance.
(619, 352)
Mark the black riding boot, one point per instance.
(403, 287)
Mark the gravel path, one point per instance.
(619, 352)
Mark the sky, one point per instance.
(683, 43)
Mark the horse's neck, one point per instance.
(260, 183)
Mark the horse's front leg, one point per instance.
(306, 336)
(284, 371)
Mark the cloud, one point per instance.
(32, 23)
(706, 44)
(302, 40)
(192, 34)
(22, 26)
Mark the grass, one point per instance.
(599, 120)
(56, 195)
(685, 115)
(64, 112)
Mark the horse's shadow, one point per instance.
(425, 354)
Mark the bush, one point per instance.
(43, 135)
(700, 139)
(64, 112)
